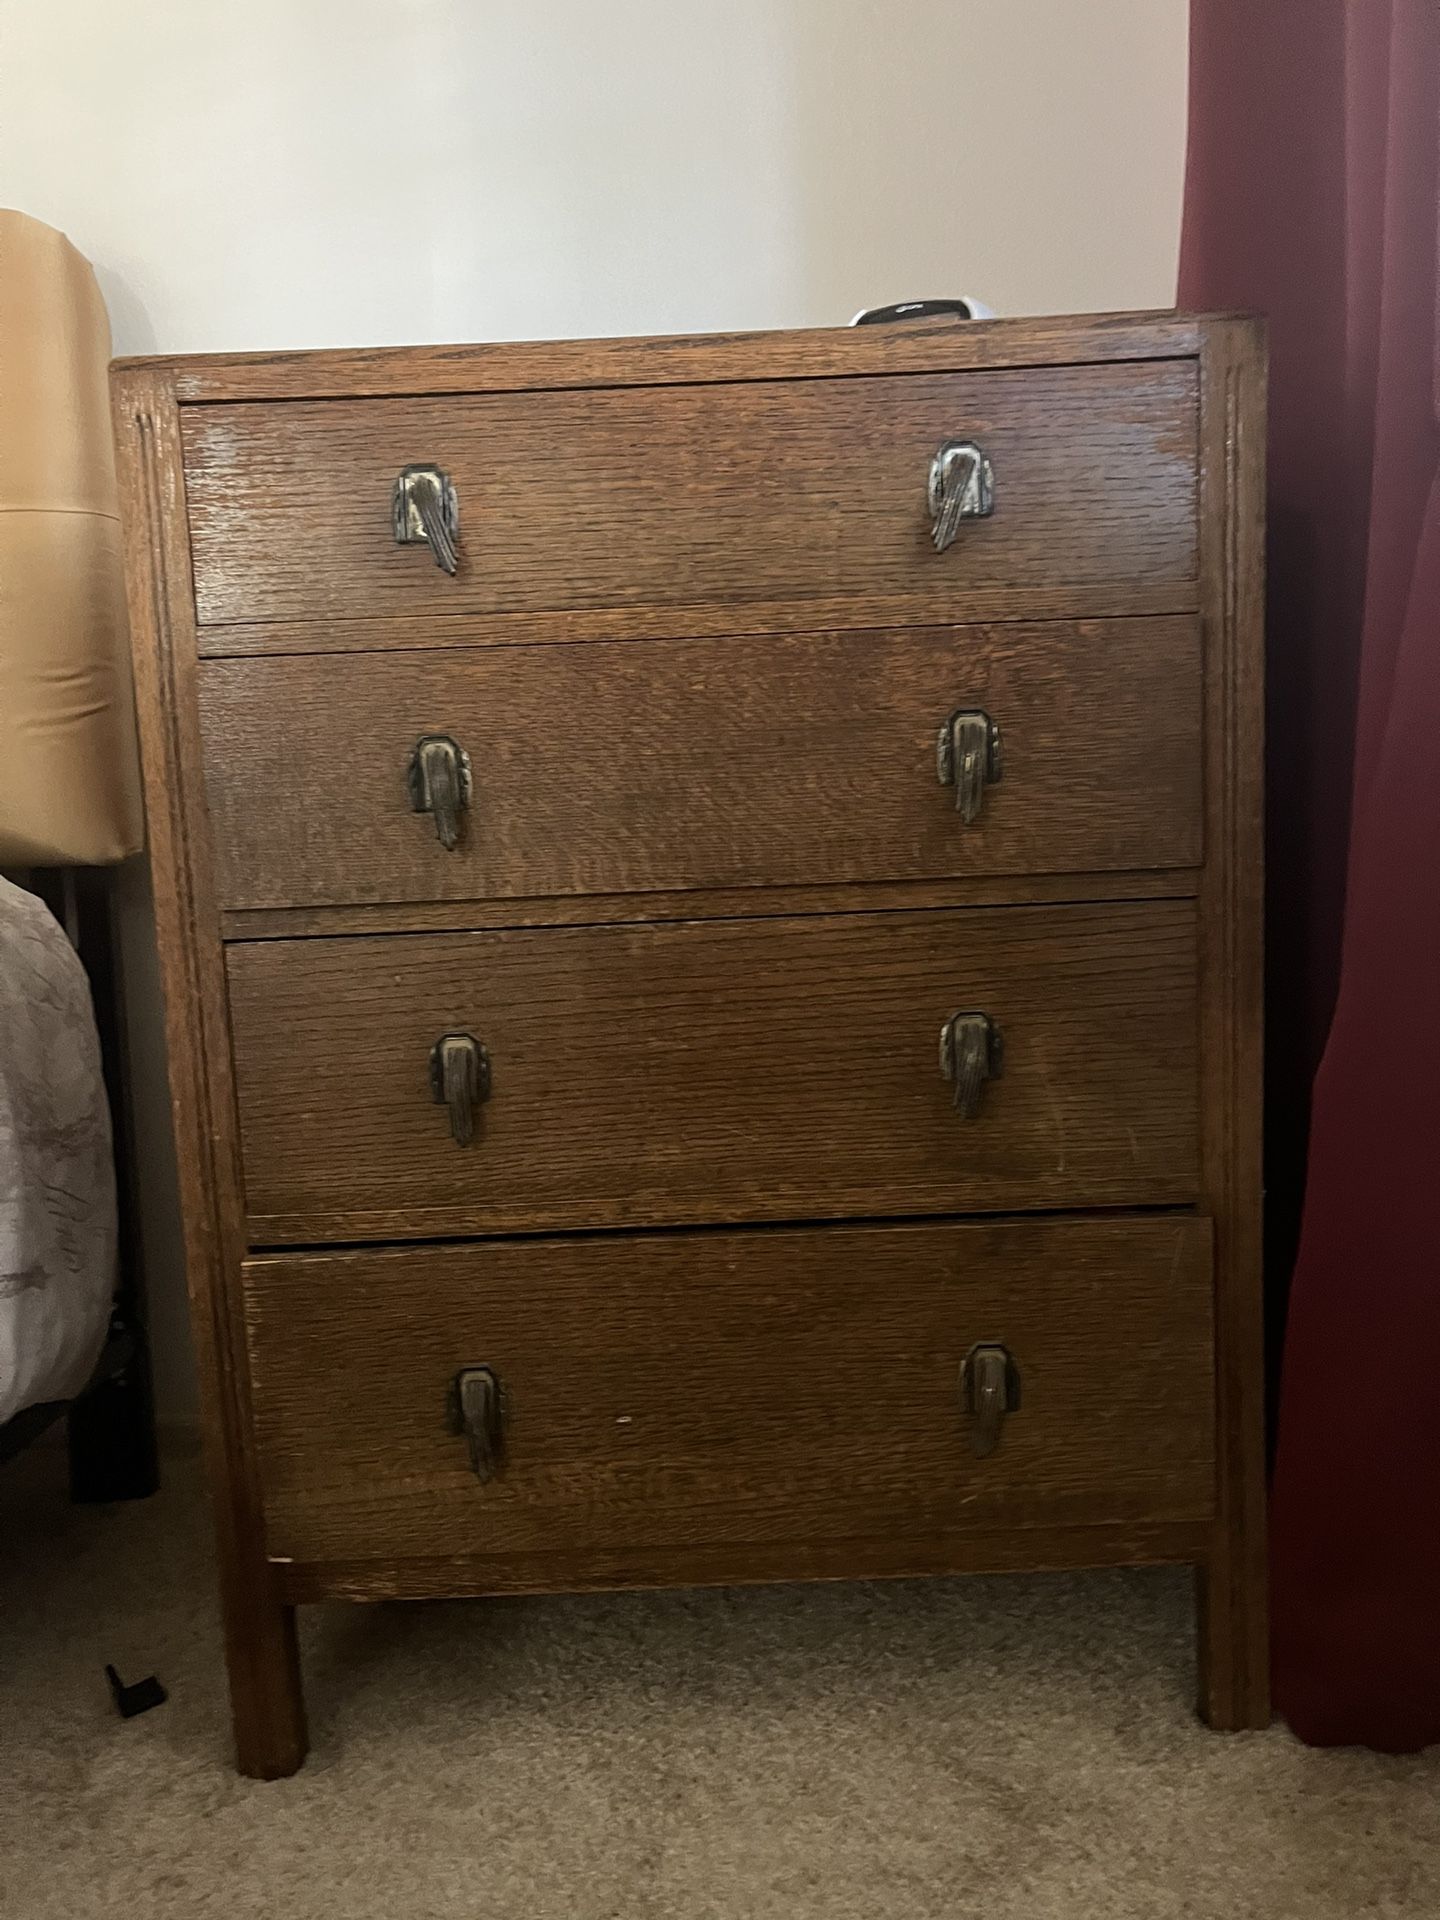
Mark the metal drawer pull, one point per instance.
(424, 510)
(989, 1389)
(962, 487)
(438, 779)
(968, 757)
(972, 1051)
(475, 1407)
(459, 1080)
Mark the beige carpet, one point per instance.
(997, 1748)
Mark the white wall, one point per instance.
(255, 173)
(291, 173)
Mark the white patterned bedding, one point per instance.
(57, 1180)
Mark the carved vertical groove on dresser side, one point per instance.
(259, 1629)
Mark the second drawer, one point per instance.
(711, 1071)
(647, 766)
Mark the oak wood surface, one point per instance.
(679, 495)
(813, 353)
(403, 632)
(698, 764)
(720, 1070)
(1234, 1624)
(723, 903)
(1004, 1548)
(722, 1389)
(260, 1645)
(1146, 1087)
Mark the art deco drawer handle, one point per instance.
(989, 1389)
(475, 1407)
(438, 779)
(459, 1080)
(962, 487)
(425, 510)
(968, 757)
(971, 1052)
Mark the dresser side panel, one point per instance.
(259, 1629)
(1234, 1634)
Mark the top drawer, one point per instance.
(744, 495)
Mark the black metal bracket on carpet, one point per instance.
(140, 1698)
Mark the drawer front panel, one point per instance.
(730, 1070)
(683, 1391)
(638, 767)
(685, 496)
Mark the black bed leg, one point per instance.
(113, 1454)
(111, 1435)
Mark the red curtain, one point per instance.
(1312, 193)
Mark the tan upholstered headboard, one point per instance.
(69, 787)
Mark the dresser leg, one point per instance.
(267, 1700)
(1233, 1644)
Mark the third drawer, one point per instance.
(735, 1070)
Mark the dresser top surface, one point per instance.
(919, 346)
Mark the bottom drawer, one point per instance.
(718, 1405)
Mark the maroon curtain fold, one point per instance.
(1312, 193)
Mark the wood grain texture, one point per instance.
(701, 764)
(813, 1396)
(711, 903)
(756, 1053)
(1234, 1627)
(711, 1071)
(664, 496)
(976, 1549)
(260, 1646)
(815, 353)
(411, 633)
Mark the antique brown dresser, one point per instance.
(709, 898)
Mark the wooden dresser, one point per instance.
(709, 899)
